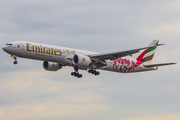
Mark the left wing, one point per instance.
(116, 55)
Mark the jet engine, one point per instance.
(81, 60)
(50, 66)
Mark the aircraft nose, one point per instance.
(4, 48)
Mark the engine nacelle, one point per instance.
(50, 66)
(81, 60)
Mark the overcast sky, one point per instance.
(30, 93)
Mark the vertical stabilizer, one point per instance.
(148, 54)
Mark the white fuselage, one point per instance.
(63, 55)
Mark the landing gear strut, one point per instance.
(76, 73)
(94, 72)
(15, 59)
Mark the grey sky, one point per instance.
(29, 92)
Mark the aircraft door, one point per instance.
(22, 46)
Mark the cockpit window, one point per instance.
(9, 44)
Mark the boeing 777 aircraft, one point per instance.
(55, 58)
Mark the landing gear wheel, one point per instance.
(97, 73)
(15, 62)
(79, 76)
(72, 73)
(75, 74)
(94, 72)
(89, 71)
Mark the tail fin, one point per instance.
(148, 54)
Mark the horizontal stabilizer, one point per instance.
(157, 65)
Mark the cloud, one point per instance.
(49, 110)
(38, 79)
(166, 31)
(35, 94)
(165, 117)
(1, 114)
(100, 26)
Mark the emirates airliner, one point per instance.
(55, 58)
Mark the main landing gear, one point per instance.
(94, 72)
(76, 73)
(15, 59)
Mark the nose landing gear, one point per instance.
(15, 59)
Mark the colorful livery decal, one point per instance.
(148, 54)
(124, 65)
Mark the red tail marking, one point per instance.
(142, 55)
(138, 63)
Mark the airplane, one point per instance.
(55, 58)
